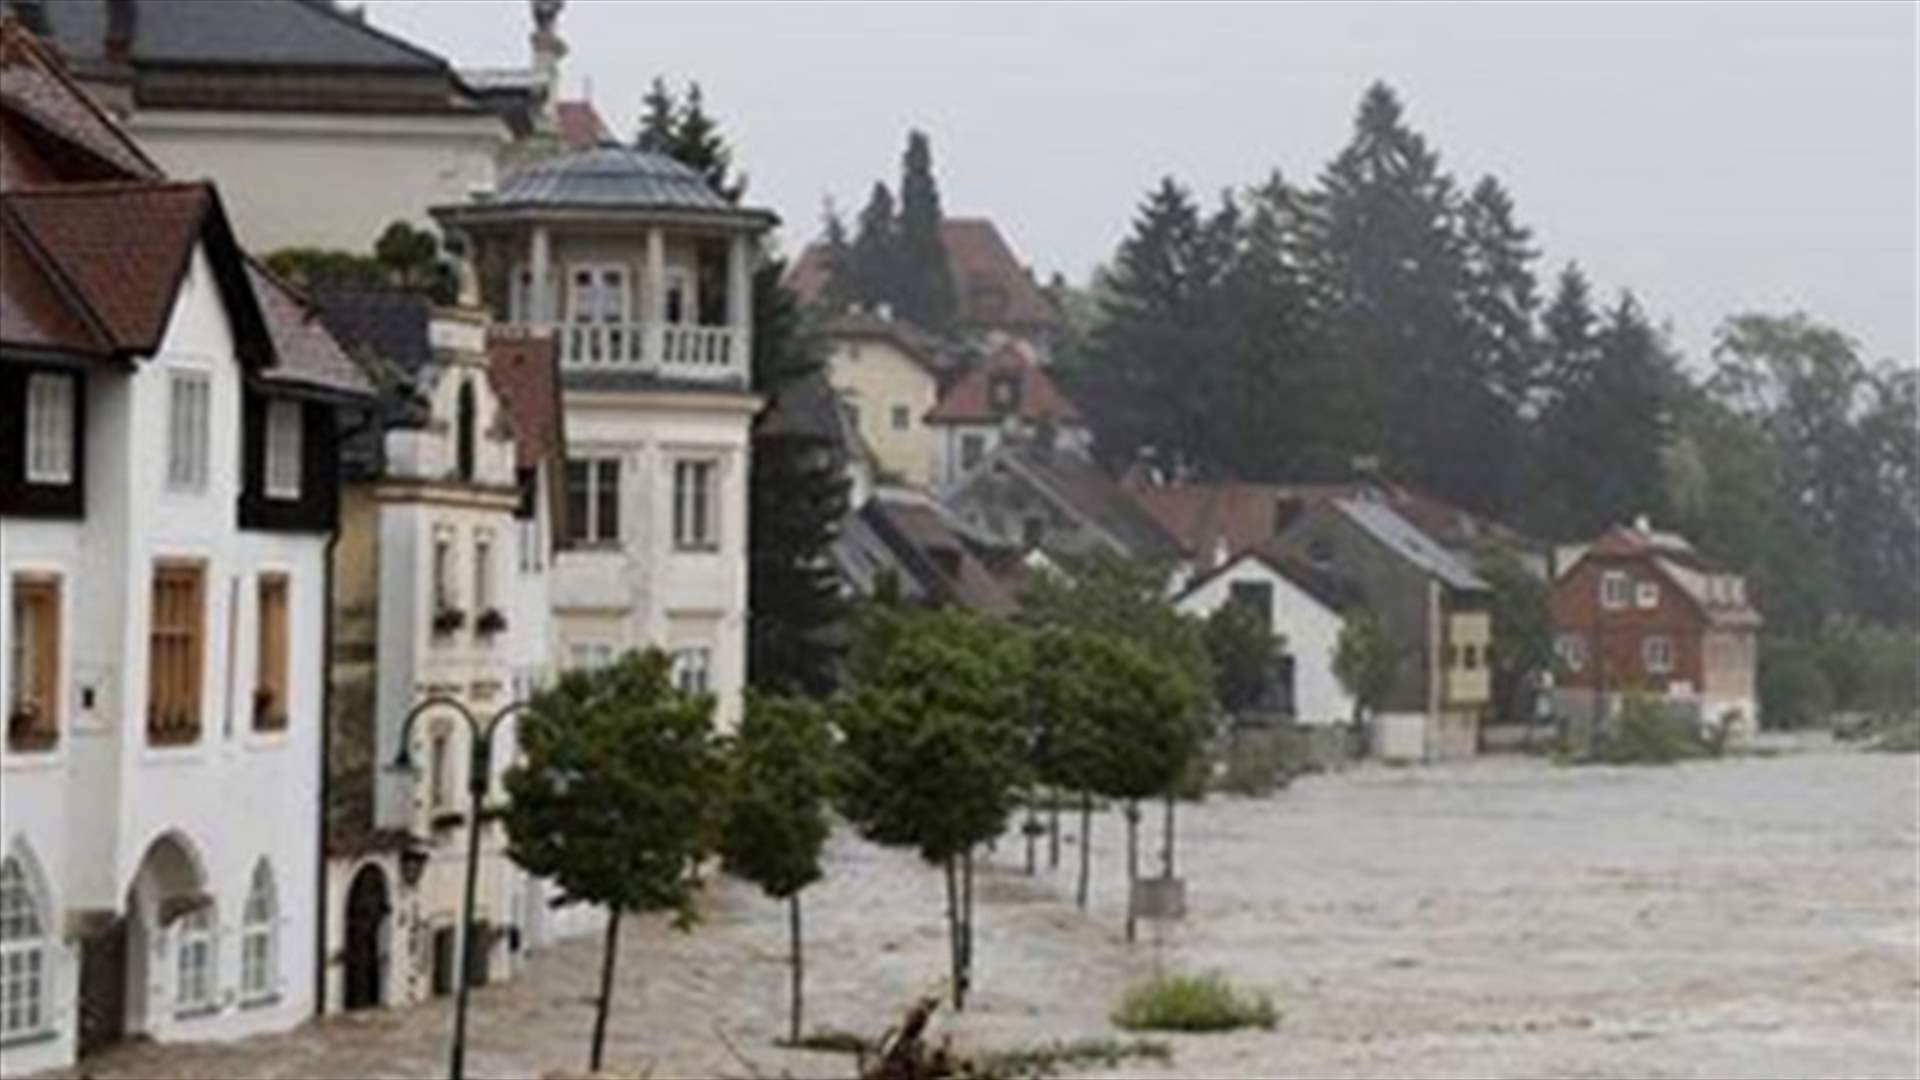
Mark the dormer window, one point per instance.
(284, 440)
(1615, 589)
(49, 428)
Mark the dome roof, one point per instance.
(611, 175)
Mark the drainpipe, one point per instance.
(326, 740)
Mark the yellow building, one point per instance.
(887, 373)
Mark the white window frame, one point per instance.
(696, 504)
(196, 961)
(440, 770)
(973, 449)
(189, 430)
(285, 439)
(260, 938)
(1616, 589)
(902, 417)
(445, 596)
(1572, 649)
(589, 655)
(1646, 595)
(482, 571)
(593, 525)
(693, 669)
(26, 983)
(605, 299)
(49, 428)
(1657, 661)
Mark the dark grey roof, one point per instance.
(1085, 488)
(1399, 534)
(305, 353)
(615, 177)
(391, 324)
(253, 33)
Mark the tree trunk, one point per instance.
(953, 937)
(610, 950)
(1053, 831)
(966, 920)
(799, 966)
(1086, 842)
(1133, 861)
(1032, 829)
(1166, 850)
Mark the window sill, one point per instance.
(697, 549)
(169, 741)
(198, 1012)
(30, 1038)
(265, 1001)
(33, 744)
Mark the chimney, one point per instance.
(123, 18)
(884, 310)
(1642, 524)
(548, 51)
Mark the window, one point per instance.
(193, 988)
(174, 645)
(463, 432)
(270, 682)
(972, 449)
(694, 527)
(284, 419)
(1646, 595)
(1572, 649)
(1614, 586)
(49, 429)
(443, 597)
(1256, 597)
(589, 656)
(1470, 657)
(187, 431)
(527, 535)
(1003, 393)
(482, 572)
(24, 1008)
(593, 500)
(33, 701)
(1032, 531)
(1320, 550)
(1657, 654)
(902, 418)
(439, 792)
(258, 938)
(692, 670)
(676, 297)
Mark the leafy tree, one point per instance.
(404, 258)
(934, 745)
(1366, 661)
(1108, 594)
(1522, 645)
(925, 286)
(781, 778)
(615, 798)
(1241, 649)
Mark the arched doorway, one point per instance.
(168, 895)
(367, 910)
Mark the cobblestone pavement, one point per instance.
(1503, 917)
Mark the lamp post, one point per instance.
(479, 775)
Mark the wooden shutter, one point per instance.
(270, 686)
(33, 718)
(176, 650)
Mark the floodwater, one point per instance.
(1503, 917)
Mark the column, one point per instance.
(653, 296)
(539, 293)
(740, 301)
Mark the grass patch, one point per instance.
(827, 1041)
(1193, 1003)
(1049, 1059)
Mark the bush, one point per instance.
(827, 1040)
(1900, 738)
(1258, 763)
(1194, 1003)
(1048, 1059)
(1793, 687)
(1648, 734)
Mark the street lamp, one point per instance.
(479, 773)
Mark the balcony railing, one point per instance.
(670, 350)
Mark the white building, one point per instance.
(167, 490)
(1303, 607)
(441, 592)
(290, 106)
(644, 276)
(1009, 397)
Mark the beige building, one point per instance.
(887, 373)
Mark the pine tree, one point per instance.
(696, 141)
(1501, 301)
(659, 119)
(873, 259)
(926, 290)
(836, 293)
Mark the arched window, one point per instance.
(463, 429)
(258, 939)
(193, 989)
(23, 955)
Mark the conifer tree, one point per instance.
(696, 141)
(926, 290)
(873, 260)
(659, 119)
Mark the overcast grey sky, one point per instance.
(1714, 158)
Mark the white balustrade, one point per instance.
(673, 350)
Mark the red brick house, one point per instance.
(1640, 610)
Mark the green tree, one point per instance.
(1522, 645)
(780, 782)
(1365, 660)
(659, 119)
(616, 797)
(697, 142)
(935, 746)
(1109, 594)
(403, 258)
(1241, 649)
(926, 289)
(873, 259)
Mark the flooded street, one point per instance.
(1504, 917)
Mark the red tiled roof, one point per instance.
(1243, 515)
(122, 247)
(808, 275)
(970, 400)
(34, 84)
(525, 375)
(33, 311)
(304, 352)
(992, 288)
(579, 124)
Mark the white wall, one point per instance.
(335, 181)
(1310, 628)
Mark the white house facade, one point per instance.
(1304, 611)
